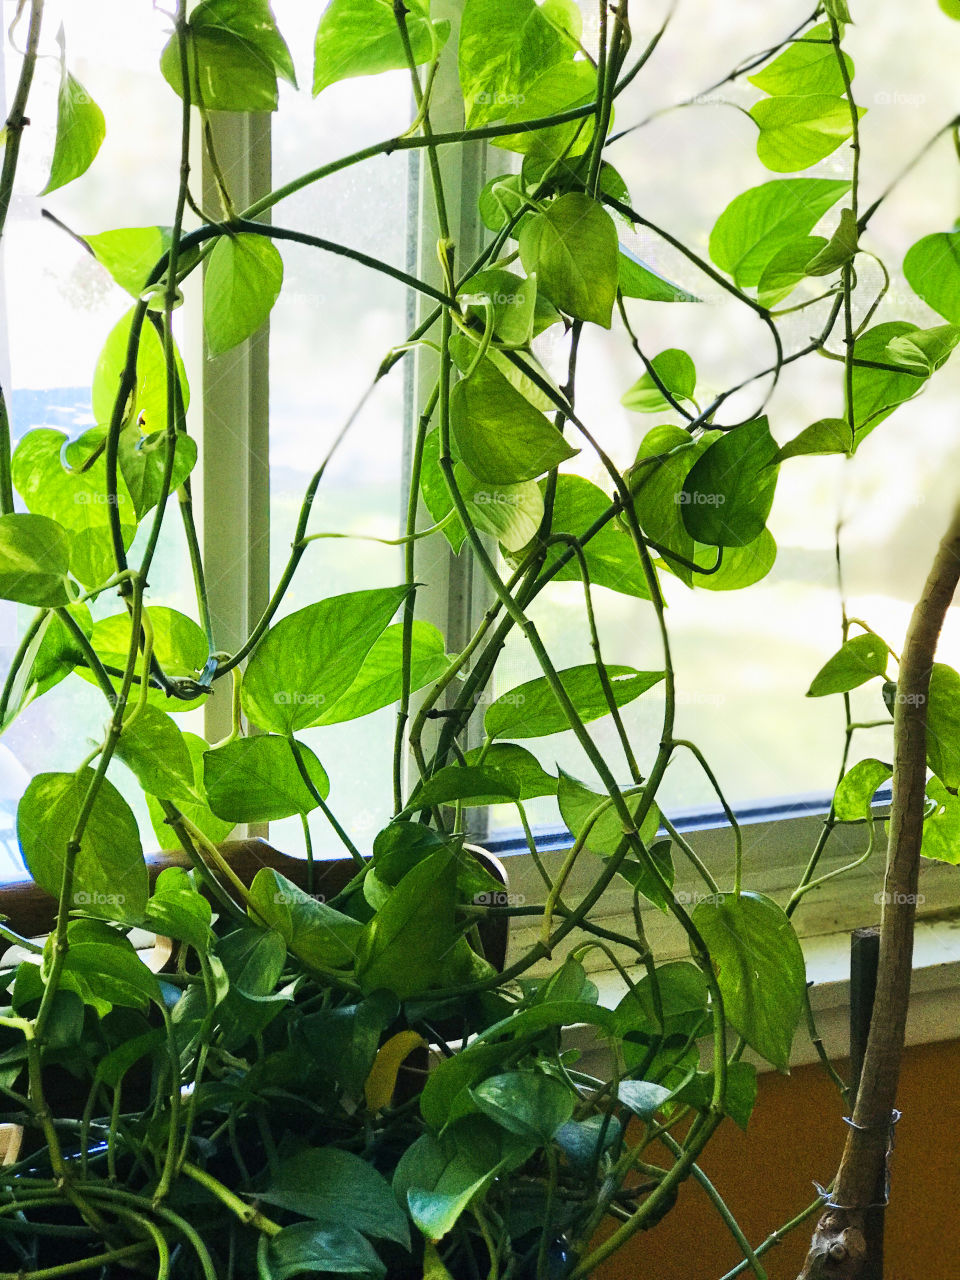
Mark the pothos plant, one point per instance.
(237, 1114)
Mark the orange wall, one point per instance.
(795, 1135)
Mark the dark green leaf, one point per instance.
(498, 434)
(110, 876)
(728, 493)
(643, 1097)
(520, 767)
(683, 999)
(470, 784)
(932, 269)
(526, 1103)
(305, 1249)
(759, 222)
(854, 663)
(658, 486)
(740, 1097)
(403, 946)
(34, 561)
(336, 1189)
(532, 710)
(308, 660)
(580, 1140)
(572, 248)
(257, 780)
(438, 1183)
(243, 280)
(314, 932)
(362, 38)
(759, 967)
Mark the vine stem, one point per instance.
(839, 1233)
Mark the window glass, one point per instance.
(744, 659)
(59, 305)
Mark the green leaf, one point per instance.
(305, 1249)
(403, 946)
(130, 253)
(362, 38)
(470, 784)
(854, 795)
(643, 1097)
(243, 280)
(314, 932)
(923, 351)
(153, 747)
(741, 566)
(80, 129)
(854, 663)
(438, 1182)
(838, 10)
(178, 910)
(759, 222)
(498, 434)
(611, 557)
(179, 646)
(740, 1097)
(941, 828)
(637, 280)
(34, 561)
(584, 1141)
(683, 998)
(110, 876)
(560, 88)
(436, 495)
(798, 130)
(728, 492)
(658, 487)
(253, 22)
(787, 268)
(526, 1103)
(257, 780)
(501, 199)
(828, 435)
(807, 65)
(532, 710)
(227, 72)
(309, 659)
(75, 499)
(108, 963)
(519, 766)
(943, 724)
(196, 809)
(344, 1040)
(512, 513)
(877, 392)
(841, 248)
(572, 248)
(932, 269)
(336, 1189)
(759, 967)
(678, 374)
(512, 299)
(378, 682)
(143, 461)
(148, 405)
(506, 45)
